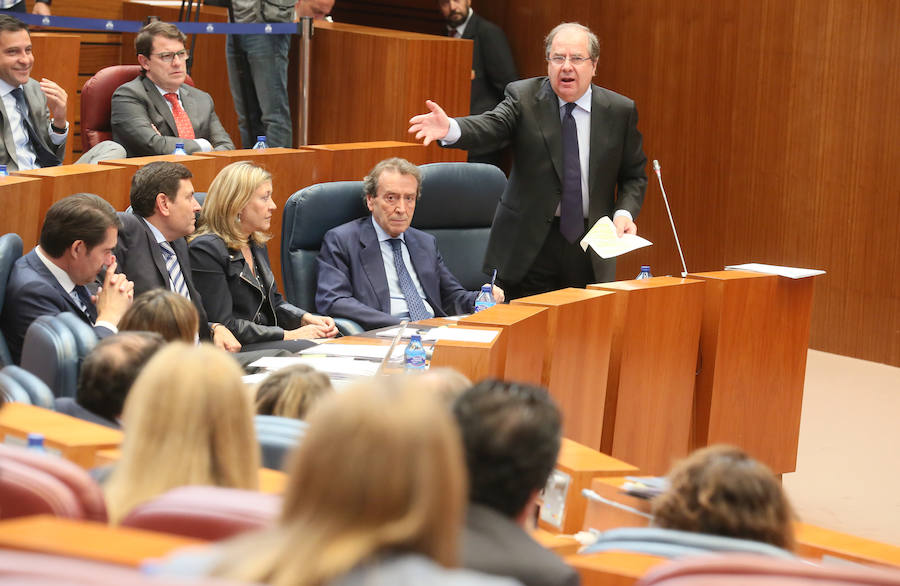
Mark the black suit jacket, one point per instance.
(494, 544)
(138, 256)
(492, 62)
(33, 291)
(232, 295)
(528, 118)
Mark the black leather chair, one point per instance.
(308, 214)
(16, 382)
(51, 352)
(277, 436)
(10, 251)
(457, 208)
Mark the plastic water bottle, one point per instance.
(3, 171)
(36, 442)
(485, 299)
(414, 356)
(645, 273)
(260, 143)
(179, 149)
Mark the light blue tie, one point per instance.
(176, 279)
(417, 309)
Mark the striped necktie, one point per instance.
(176, 279)
(417, 309)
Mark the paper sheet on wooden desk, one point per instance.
(334, 366)
(460, 335)
(602, 238)
(789, 272)
(352, 350)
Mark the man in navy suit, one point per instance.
(77, 240)
(377, 270)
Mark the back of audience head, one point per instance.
(511, 435)
(164, 312)
(111, 368)
(292, 391)
(447, 382)
(720, 490)
(188, 420)
(395, 484)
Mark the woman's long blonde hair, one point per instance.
(188, 419)
(229, 193)
(380, 470)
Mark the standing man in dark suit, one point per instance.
(152, 249)
(511, 436)
(493, 66)
(77, 240)
(33, 126)
(577, 157)
(157, 109)
(377, 270)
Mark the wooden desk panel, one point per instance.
(56, 57)
(89, 540)
(476, 361)
(292, 170)
(561, 545)
(353, 160)
(526, 326)
(612, 568)
(750, 386)
(203, 168)
(77, 440)
(20, 200)
(653, 357)
(110, 182)
(576, 357)
(582, 464)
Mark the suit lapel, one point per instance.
(547, 106)
(46, 275)
(373, 265)
(471, 28)
(155, 253)
(161, 105)
(12, 163)
(599, 137)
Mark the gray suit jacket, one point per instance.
(528, 119)
(40, 118)
(494, 544)
(137, 106)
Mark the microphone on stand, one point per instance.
(671, 221)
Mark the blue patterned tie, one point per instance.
(417, 309)
(82, 298)
(571, 216)
(176, 279)
(43, 155)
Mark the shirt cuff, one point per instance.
(453, 134)
(205, 145)
(625, 213)
(57, 138)
(108, 325)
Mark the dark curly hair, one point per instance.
(720, 490)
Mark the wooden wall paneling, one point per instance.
(352, 161)
(56, 58)
(94, 9)
(20, 198)
(366, 83)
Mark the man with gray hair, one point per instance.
(377, 270)
(577, 157)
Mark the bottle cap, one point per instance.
(179, 145)
(260, 139)
(415, 338)
(486, 289)
(35, 440)
(645, 268)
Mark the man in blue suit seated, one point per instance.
(377, 270)
(77, 240)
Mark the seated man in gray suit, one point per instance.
(33, 114)
(106, 376)
(156, 110)
(511, 436)
(377, 270)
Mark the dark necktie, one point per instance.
(176, 278)
(454, 33)
(182, 122)
(44, 157)
(417, 309)
(571, 216)
(83, 300)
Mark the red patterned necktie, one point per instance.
(182, 122)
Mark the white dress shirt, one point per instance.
(399, 308)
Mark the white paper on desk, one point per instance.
(602, 238)
(342, 366)
(389, 334)
(353, 350)
(460, 335)
(789, 272)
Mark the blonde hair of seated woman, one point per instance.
(380, 471)
(188, 420)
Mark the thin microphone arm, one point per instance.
(593, 496)
(671, 221)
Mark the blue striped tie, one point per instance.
(417, 309)
(176, 279)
